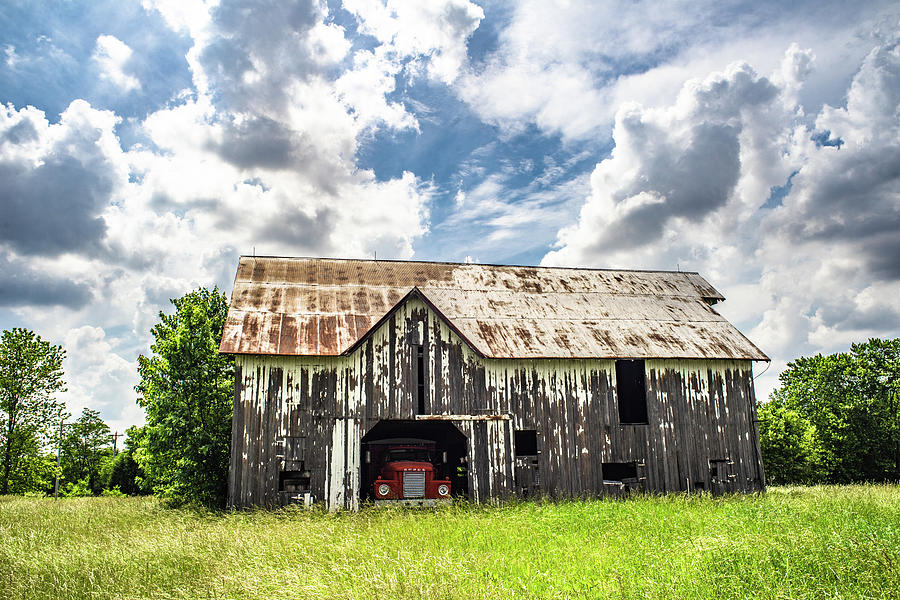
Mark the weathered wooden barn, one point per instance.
(530, 380)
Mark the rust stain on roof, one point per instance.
(324, 307)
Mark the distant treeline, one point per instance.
(835, 418)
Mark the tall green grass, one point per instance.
(793, 542)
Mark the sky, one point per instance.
(145, 146)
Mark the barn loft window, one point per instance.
(619, 471)
(526, 442)
(420, 379)
(631, 391)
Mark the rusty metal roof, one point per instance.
(325, 307)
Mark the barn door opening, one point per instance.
(528, 478)
(438, 442)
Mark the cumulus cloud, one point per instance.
(671, 166)
(567, 67)
(280, 143)
(112, 56)
(849, 193)
(22, 285)
(275, 130)
(97, 377)
(817, 265)
(433, 34)
(555, 61)
(838, 226)
(57, 178)
(250, 53)
(261, 153)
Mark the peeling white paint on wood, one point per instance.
(699, 410)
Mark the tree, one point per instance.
(790, 445)
(123, 472)
(85, 449)
(848, 406)
(187, 390)
(30, 373)
(876, 376)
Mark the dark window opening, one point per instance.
(526, 442)
(619, 471)
(420, 379)
(294, 481)
(631, 392)
(718, 468)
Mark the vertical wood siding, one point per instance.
(312, 413)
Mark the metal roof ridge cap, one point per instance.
(592, 320)
(443, 262)
(467, 289)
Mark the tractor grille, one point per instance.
(414, 484)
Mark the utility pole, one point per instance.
(58, 453)
(115, 436)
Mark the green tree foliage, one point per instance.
(187, 390)
(30, 374)
(836, 418)
(123, 472)
(85, 450)
(35, 470)
(790, 446)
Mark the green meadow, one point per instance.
(792, 542)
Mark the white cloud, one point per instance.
(98, 378)
(690, 183)
(57, 178)
(364, 90)
(112, 55)
(11, 57)
(680, 165)
(567, 67)
(433, 33)
(556, 60)
(261, 154)
(183, 15)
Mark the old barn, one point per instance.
(527, 380)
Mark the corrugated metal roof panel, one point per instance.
(399, 274)
(574, 305)
(619, 338)
(323, 307)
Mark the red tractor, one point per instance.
(408, 472)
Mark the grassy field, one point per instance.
(793, 542)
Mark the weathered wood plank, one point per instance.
(697, 410)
